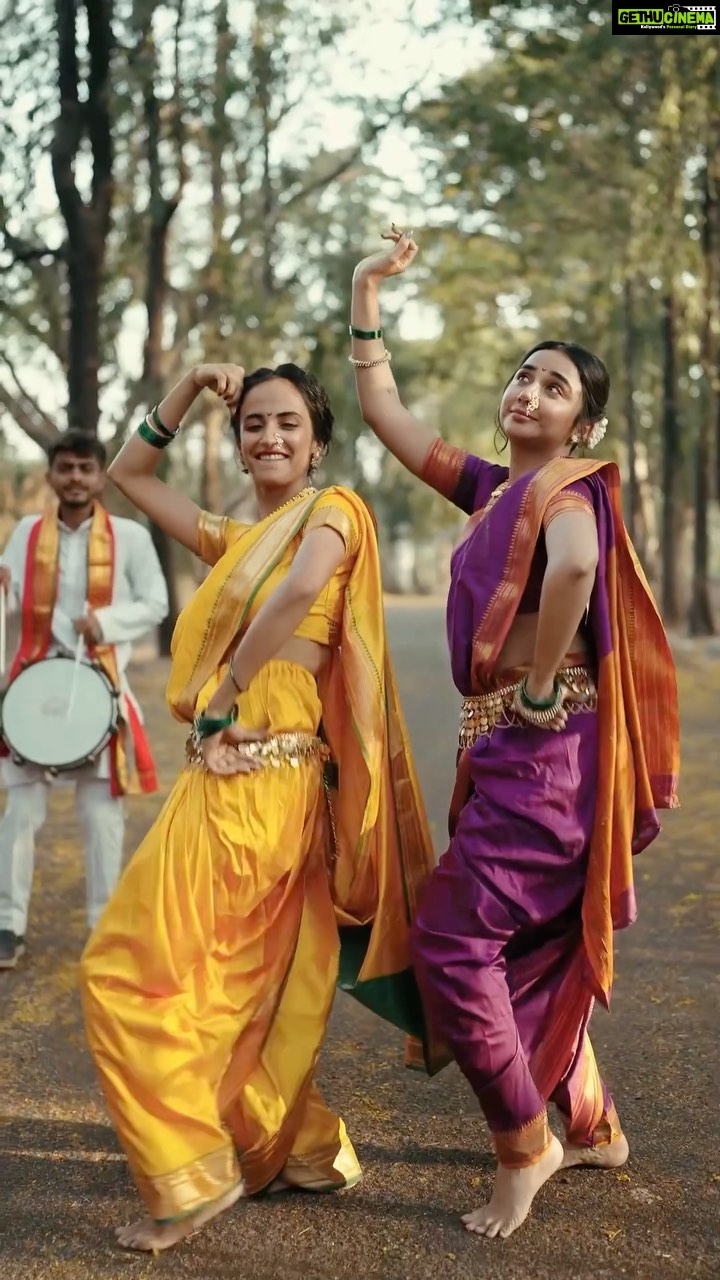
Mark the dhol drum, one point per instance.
(59, 714)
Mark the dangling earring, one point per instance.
(245, 469)
(314, 464)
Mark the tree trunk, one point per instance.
(700, 620)
(671, 460)
(87, 224)
(162, 210)
(633, 509)
(262, 68)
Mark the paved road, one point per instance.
(63, 1183)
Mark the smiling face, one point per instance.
(77, 480)
(543, 402)
(277, 442)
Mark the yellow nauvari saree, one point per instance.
(209, 979)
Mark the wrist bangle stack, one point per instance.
(154, 432)
(538, 713)
(366, 335)
(385, 358)
(205, 726)
(158, 423)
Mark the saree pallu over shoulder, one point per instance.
(382, 852)
(637, 692)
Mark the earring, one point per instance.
(314, 463)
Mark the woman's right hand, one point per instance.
(224, 753)
(226, 380)
(393, 261)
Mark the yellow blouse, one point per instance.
(323, 621)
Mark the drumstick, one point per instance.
(76, 667)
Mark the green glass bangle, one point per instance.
(538, 706)
(206, 726)
(147, 434)
(161, 425)
(367, 335)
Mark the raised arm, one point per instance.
(380, 405)
(133, 471)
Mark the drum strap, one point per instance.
(39, 593)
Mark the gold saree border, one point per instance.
(443, 467)
(224, 599)
(520, 1148)
(178, 1194)
(545, 485)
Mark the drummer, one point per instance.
(77, 571)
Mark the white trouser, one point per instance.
(102, 820)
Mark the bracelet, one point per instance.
(537, 713)
(231, 673)
(367, 335)
(150, 436)
(206, 726)
(545, 703)
(157, 422)
(371, 364)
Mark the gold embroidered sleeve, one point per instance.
(212, 536)
(566, 500)
(443, 467)
(335, 517)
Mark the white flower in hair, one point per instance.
(596, 434)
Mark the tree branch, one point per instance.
(28, 399)
(325, 180)
(22, 414)
(31, 329)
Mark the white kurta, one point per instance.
(139, 603)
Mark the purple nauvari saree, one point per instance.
(514, 938)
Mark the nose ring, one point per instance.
(279, 440)
(534, 400)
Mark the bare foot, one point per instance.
(513, 1194)
(611, 1155)
(149, 1235)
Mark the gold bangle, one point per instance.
(231, 673)
(538, 716)
(371, 364)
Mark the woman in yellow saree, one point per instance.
(209, 979)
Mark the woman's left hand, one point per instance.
(223, 753)
(540, 694)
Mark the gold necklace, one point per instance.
(304, 493)
(496, 493)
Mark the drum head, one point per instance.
(57, 714)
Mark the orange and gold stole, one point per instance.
(39, 592)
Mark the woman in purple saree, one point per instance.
(568, 746)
